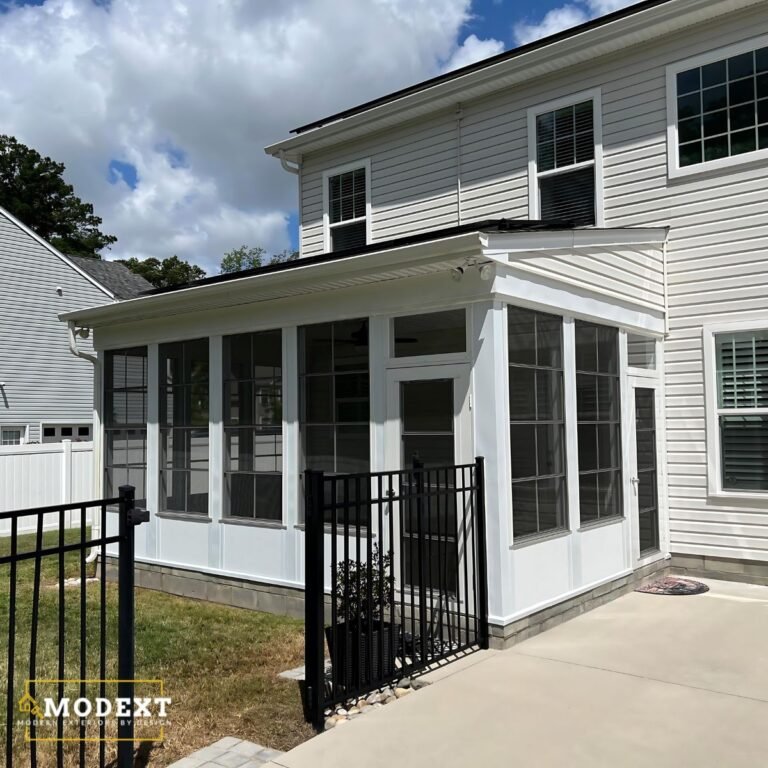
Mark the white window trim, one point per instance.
(714, 469)
(534, 202)
(363, 163)
(674, 170)
(23, 428)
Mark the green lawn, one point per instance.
(219, 664)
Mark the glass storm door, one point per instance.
(646, 475)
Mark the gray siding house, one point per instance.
(555, 259)
(46, 393)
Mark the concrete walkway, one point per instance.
(645, 680)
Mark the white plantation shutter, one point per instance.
(742, 377)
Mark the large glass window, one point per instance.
(537, 424)
(598, 406)
(253, 431)
(184, 426)
(347, 206)
(125, 422)
(742, 390)
(722, 108)
(565, 163)
(335, 406)
(435, 333)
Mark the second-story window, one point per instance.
(565, 163)
(347, 208)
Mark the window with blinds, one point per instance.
(347, 205)
(742, 403)
(565, 164)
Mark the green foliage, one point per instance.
(33, 189)
(364, 589)
(165, 273)
(239, 259)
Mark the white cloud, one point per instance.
(564, 17)
(471, 50)
(215, 82)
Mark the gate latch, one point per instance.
(136, 516)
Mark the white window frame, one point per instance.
(23, 428)
(59, 423)
(674, 170)
(713, 412)
(364, 163)
(534, 199)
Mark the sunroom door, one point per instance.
(430, 428)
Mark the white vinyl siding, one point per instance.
(42, 382)
(717, 260)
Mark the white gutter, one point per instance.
(94, 360)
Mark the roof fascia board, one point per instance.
(24, 228)
(221, 294)
(580, 48)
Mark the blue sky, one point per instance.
(160, 110)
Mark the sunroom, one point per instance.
(535, 347)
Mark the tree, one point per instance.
(162, 274)
(239, 259)
(33, 189)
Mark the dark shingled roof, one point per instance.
(115, 277)
(489, 225)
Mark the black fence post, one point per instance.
(130, 517)
(482, 562)
(314, 597)
(418, 476)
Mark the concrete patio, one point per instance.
(645, 680)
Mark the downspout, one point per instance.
(459, 115)
(295, 169)
(666, 285)
(94, 360)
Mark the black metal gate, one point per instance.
(395, 576)
(37, 620)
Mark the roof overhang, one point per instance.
(439, 255)
(641, 26)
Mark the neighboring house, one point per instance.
(555, 258)
(46, 393)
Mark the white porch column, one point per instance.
(491, 427)
(378, 339)
(291, 460)
(215, 450)
(153, 450)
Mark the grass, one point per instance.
(219, 664)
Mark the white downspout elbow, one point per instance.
(287, 166)
(94, 360)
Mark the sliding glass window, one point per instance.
(599, 417)
(125, 422)
(253, 431)
(184, 426)
(537, 425)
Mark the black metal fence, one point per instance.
(41, 570)
(395, 576)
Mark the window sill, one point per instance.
(327, 529)
(186, 516)
(277, 525)
(741, 498)
(602, 523)
(539, 538)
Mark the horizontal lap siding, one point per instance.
(42, 380)
(718, 249)
(717, 271)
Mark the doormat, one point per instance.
(673, 585)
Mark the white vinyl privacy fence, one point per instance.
(43, 475)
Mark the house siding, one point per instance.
(717, 261)
(42, 380)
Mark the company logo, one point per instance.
(51, 716)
